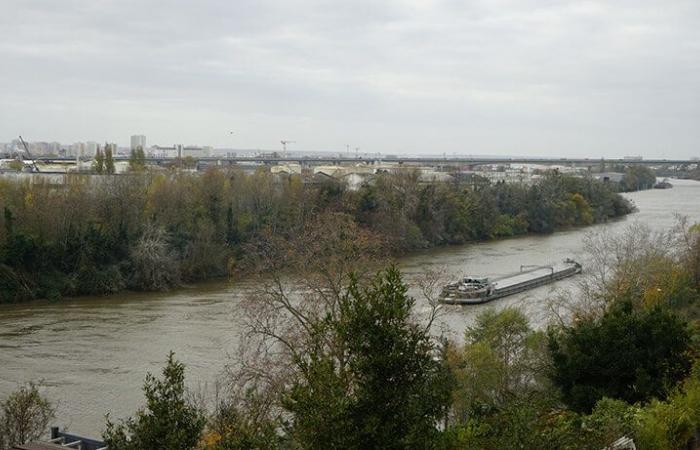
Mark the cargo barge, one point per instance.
(663, 184)
(475, 290)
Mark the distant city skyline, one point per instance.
(85, 147)
(494, 77)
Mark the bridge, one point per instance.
(458, 160)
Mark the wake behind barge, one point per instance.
(474, 290)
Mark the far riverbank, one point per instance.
(155, 232)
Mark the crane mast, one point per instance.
(284, 146)
(26, 149)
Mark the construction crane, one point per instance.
(35, 168)
(284, 146)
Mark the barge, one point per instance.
(475, 290)
(663, 184)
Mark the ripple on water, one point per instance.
(22, 331)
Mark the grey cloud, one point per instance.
(557, 77)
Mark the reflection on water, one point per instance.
(92, 353)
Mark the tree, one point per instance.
(231, 429)
(98, 164)
(137, 159)
(155, 264)
(108, 160)
(24, 416)
(689, 239)
(502, 360)
(637, 178)
(671, 424)
(381, 384)
(627, 354)
(189, 162)
(168, 420)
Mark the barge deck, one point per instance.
(481, 290)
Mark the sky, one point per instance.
(482, 77)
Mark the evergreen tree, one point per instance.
(628, 355)
(98, 164)
(132, 159)
(168, 421)
(108, 160)
(387, 389)
(137, 159)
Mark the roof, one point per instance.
(329, 171)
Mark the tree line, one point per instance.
(152, 231)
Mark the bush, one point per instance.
(24, 416)
(168, 421)
(670, 425)
(629, 355)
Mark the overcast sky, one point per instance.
(509, 77)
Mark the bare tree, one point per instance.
(621, 263)
(430, 284)
(688, 241)
(303, 282)
(155, 264)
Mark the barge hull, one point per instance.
(517, 283)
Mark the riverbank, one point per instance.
(156, 232)
(247, 277)
(92, 352)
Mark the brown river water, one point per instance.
(91, 354)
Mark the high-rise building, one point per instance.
(138, 140)
(54, 148)
(91, 148)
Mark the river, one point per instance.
(91, 354)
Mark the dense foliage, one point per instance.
(629, 355)
(387, 389)
(637, 178)
(98, 234)
(169, 420)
